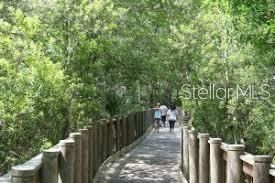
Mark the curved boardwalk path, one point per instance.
(155, 159)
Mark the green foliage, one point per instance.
(65, 63)
(231, 44)
(32, 91)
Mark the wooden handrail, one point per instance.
(236, 162)
(106, 136)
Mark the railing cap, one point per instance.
(203, 135)
(248, 158)
(67, 143)
(262, 159)
(51, 153)
(215, 141)
(235, 147)
(76, 135)
(25, 170)
(89, 127)
(84, 131)
(102, 122)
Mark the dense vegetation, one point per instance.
(65, 63)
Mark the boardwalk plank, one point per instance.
(156, 159)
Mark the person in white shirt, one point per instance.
(172, 116)
(163, 110)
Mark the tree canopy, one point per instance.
(66, 63)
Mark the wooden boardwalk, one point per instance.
(156, 159)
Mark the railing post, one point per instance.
(104, 140)
(91, 161)
(215, 160)
(23, 174)
(110, 137)
(124, 129)
(113, 138)
(143, 122)
(234, 165)
(85, 155)
(131, 129)
(115, 135)
(128, 127)
(135, 127)
(193, 157)
(78, 156)
(204, 151)
(121, 133)
(118, 133)
(139, 125)
(95, 148)
(261, 169)
(66, 163)
(185, 151)
(50, 166)
(181, 149)
(107, 137)
(99, 145)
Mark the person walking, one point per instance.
(157, 117)
(172, 115)
(163, 110)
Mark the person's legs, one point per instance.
(163, 119)
(157, 124)
(170, 125)
(173, 125)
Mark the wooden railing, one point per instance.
(78, 158)
(209, 160)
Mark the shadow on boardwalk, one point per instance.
(156, 159)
